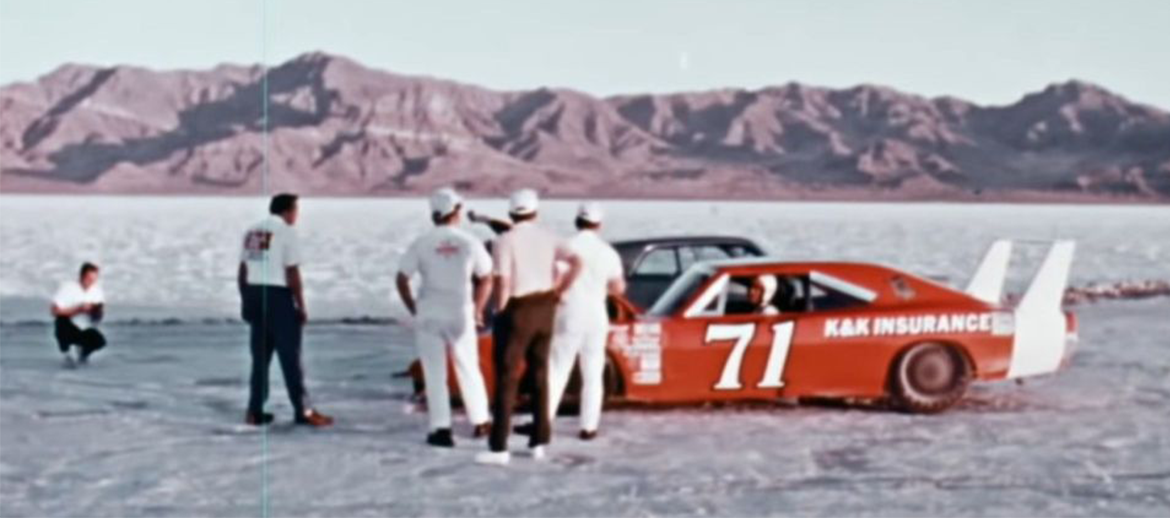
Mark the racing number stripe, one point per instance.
(778, 357)
(743, 334)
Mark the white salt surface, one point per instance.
(177, 258)
(150, 429)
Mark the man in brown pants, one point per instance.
(527, 291)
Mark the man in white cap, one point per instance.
(527, 291)
(449, 261)
(582, 323)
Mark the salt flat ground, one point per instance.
(150, 429)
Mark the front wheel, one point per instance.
(929, 377)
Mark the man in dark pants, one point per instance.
(273, 304)
(527, 288)
(77, 308)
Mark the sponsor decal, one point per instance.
(648, 329)
(642, 346)
(648, 377)
(998, 324)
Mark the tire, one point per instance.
(929, 377)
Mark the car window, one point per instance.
(661, 261)
(737, 251)
(680, 292)
(823, 298)
(785, 294)
(688, 255)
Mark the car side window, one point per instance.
(688, 255)
(822, 298)
(660, 261)
(736, 251)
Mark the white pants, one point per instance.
(433, 339)
(589, 346)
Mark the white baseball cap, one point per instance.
(523, 202)
(445, 201)
(591, 212)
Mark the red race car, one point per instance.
(762, 329)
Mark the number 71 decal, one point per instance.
(743, 334)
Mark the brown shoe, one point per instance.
(587, 435)
(314, 418)
(481, 430)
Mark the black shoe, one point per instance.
(258, 420)
(441, 438)
(524, 429)
(481, 430)
(587, 435)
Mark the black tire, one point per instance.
(929, 377)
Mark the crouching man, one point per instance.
(449, 261)
(77, 308)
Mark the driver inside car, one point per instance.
(761, 292)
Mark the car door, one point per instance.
(711, 354)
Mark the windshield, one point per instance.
(680, 292)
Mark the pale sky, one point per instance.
(990, 51)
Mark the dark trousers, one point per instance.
(521, 335)
(69, 334)
(272, 315)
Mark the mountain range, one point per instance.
(325, 124)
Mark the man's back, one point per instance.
(446, 258)
(269, 247)
(600, 264)
(527, 256)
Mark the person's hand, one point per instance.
(86, 307)
(302, 316)
(480, 322)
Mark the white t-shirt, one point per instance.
(583, 304)
(527, 255)
(71, 295)
(446, 258)
(269, 247)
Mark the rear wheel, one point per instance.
(929, 377)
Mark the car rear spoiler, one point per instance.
(1039, 322)
(1047, 287)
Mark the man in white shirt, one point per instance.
(527, 291)
(449, 261)
(77, 308)
(273, 304)
(582, 323)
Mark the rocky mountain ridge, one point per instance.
(324, 124)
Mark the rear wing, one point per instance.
(1041, 326)
(1046, 290)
